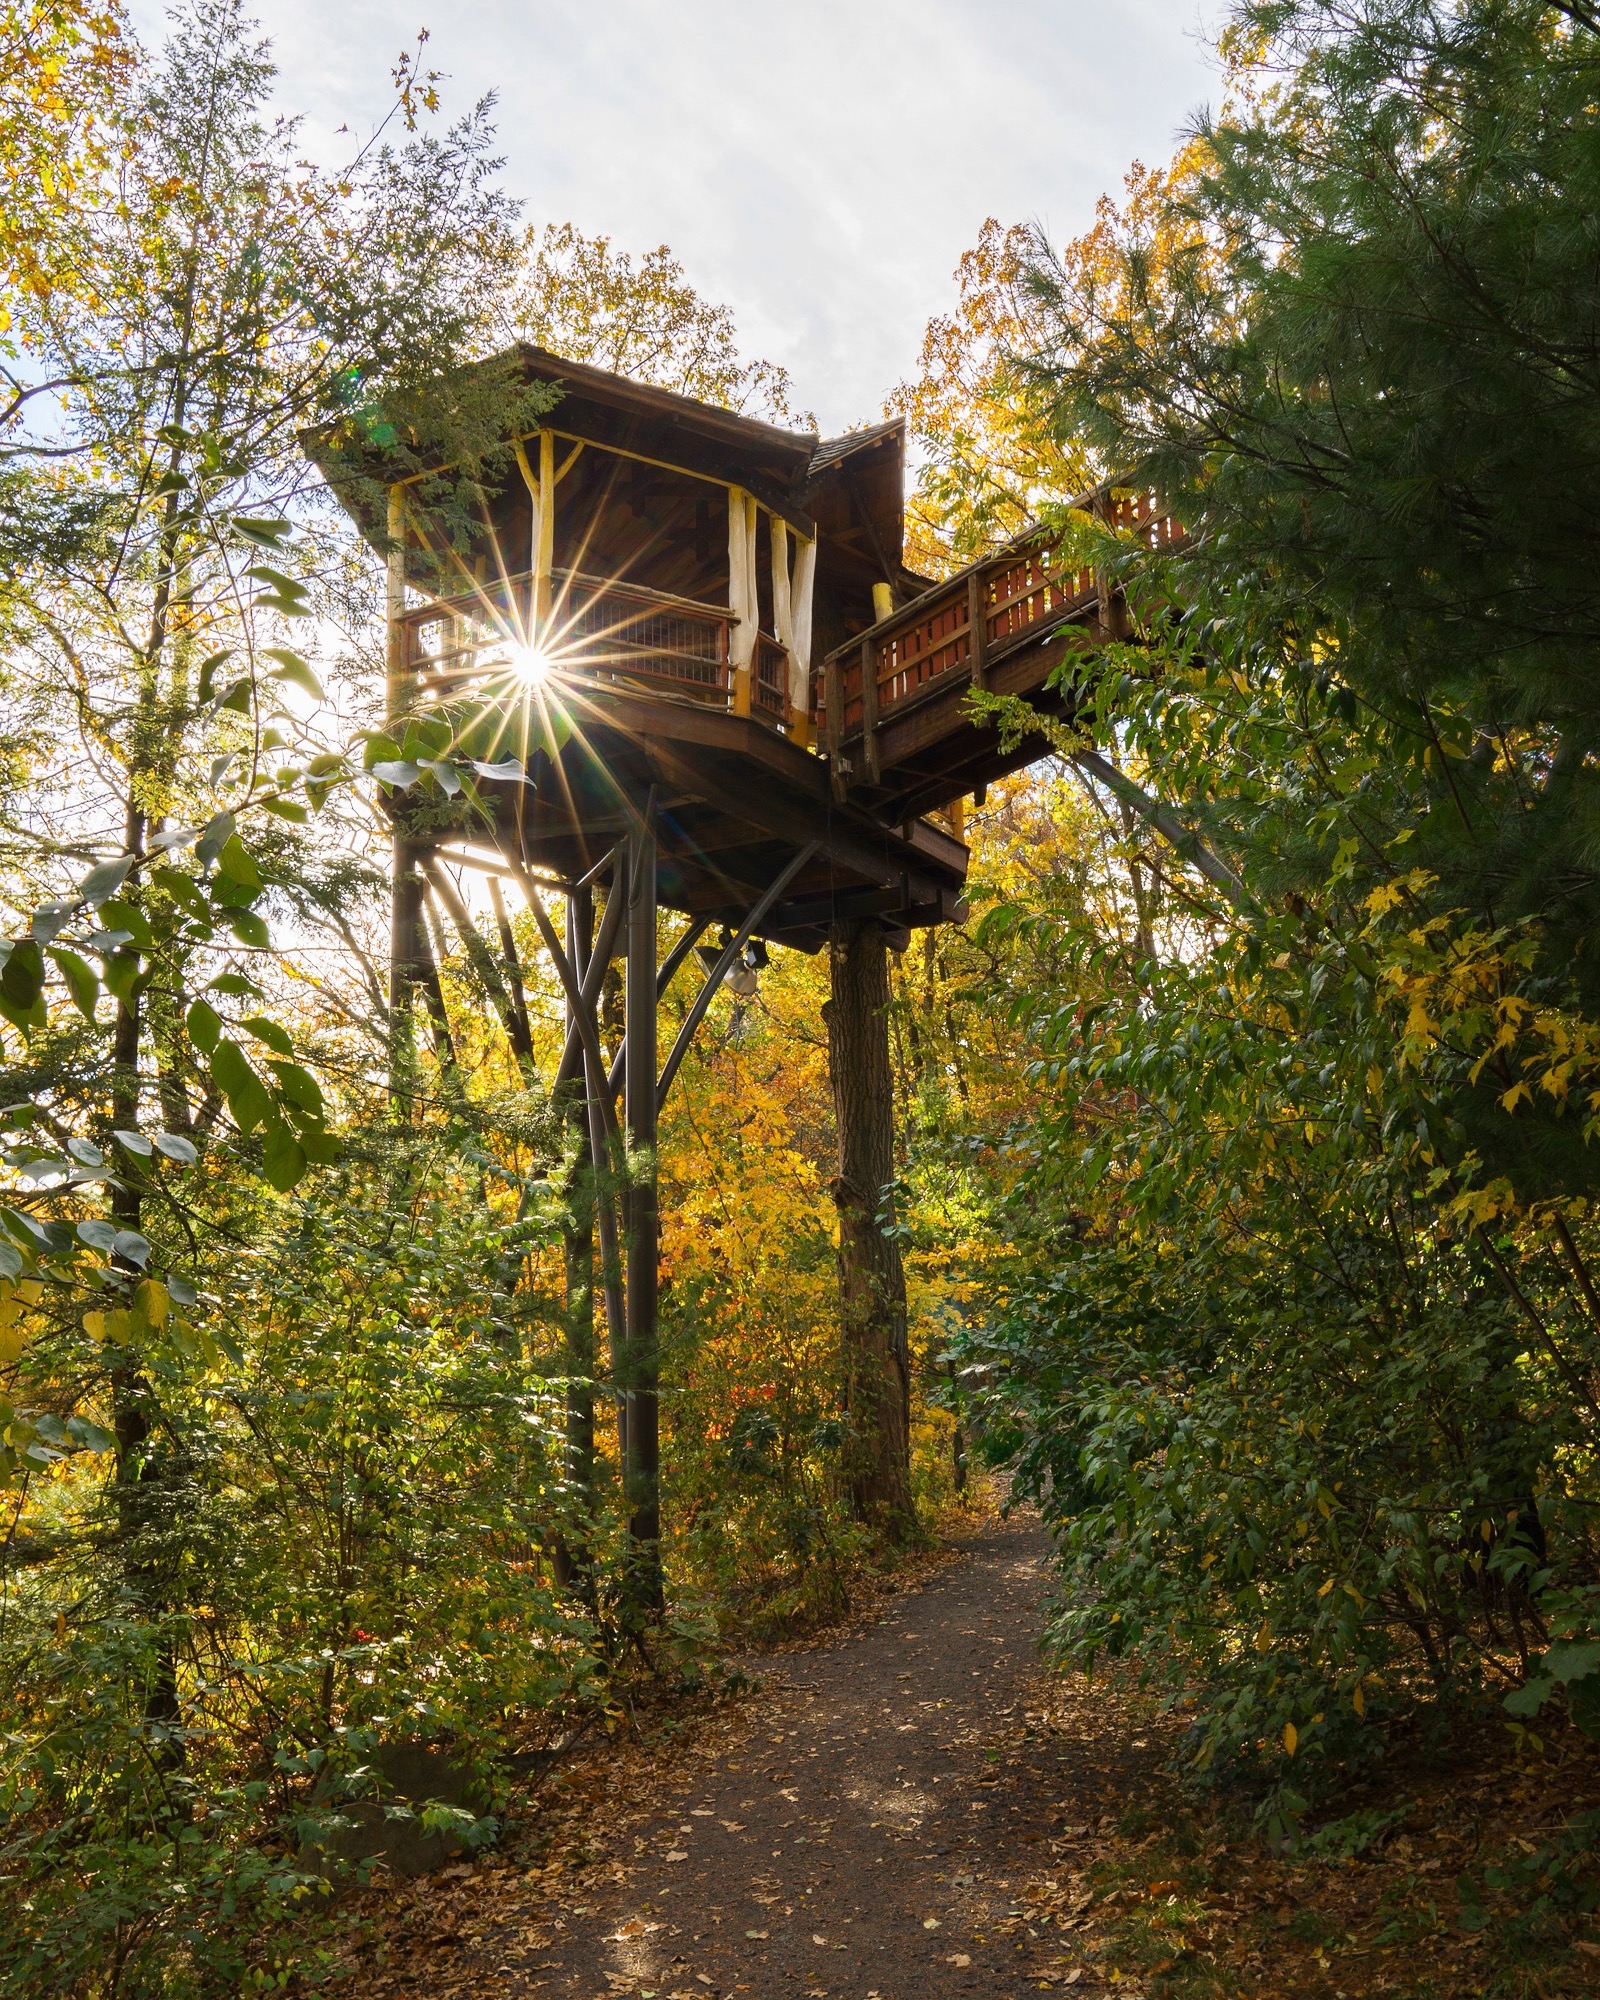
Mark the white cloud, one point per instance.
(819, 166)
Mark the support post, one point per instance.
(405, 883)
(872, 1285)
(573, 1561)
(642, 1466)
(405, 970)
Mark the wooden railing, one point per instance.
(596, 628)
(959, 626)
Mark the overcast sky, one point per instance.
(818, 166)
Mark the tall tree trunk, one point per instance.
(872, 1284)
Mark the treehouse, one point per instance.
(635, 618)
(692, 671)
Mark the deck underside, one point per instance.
(733, 804)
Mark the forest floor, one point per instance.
(911, 1807)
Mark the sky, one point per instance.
(818, 167)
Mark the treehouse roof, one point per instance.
(850, 488)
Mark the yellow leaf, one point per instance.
(1514, 1096)
(1358, 1700)
(1264, 1636)
(12, 1340)
(1291, 1738)
(1326, 1588)
(152, 1304)
(30, 1291)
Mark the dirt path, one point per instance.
(865, 1834)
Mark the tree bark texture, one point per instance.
(872, 1284)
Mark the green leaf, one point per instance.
(97, 1234)
(82, 983)
(218, 832)
(379, 749)
(237, 698)
(176, 1147)
(265, 530)
(22, 985)
(401, 776)
(288, 809)
(133, 1142)
(204, 1025)
(269, 1032)
(427, 736)
(248, 928)
(299, 1086)
(104, 880)
(91, 1436)
(291, 667)
(120, 916)
(248, 1097)
(236, 864)
(321, 1146)
(121, 975)
(444, 774)
(283, 1158)
(132, 1248)
(206, 683)
(235, 982)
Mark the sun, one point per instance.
(531, 665)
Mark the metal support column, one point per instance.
(642, 1226)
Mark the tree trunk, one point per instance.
(872, 1284)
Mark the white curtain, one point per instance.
(805, 570)
(742, 597)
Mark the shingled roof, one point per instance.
(828, 451)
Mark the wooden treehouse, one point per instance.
(686, 653)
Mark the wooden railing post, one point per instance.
(977, 621)
(869, 706)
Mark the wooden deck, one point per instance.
(891, 709)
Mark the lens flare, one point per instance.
(531, 664)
